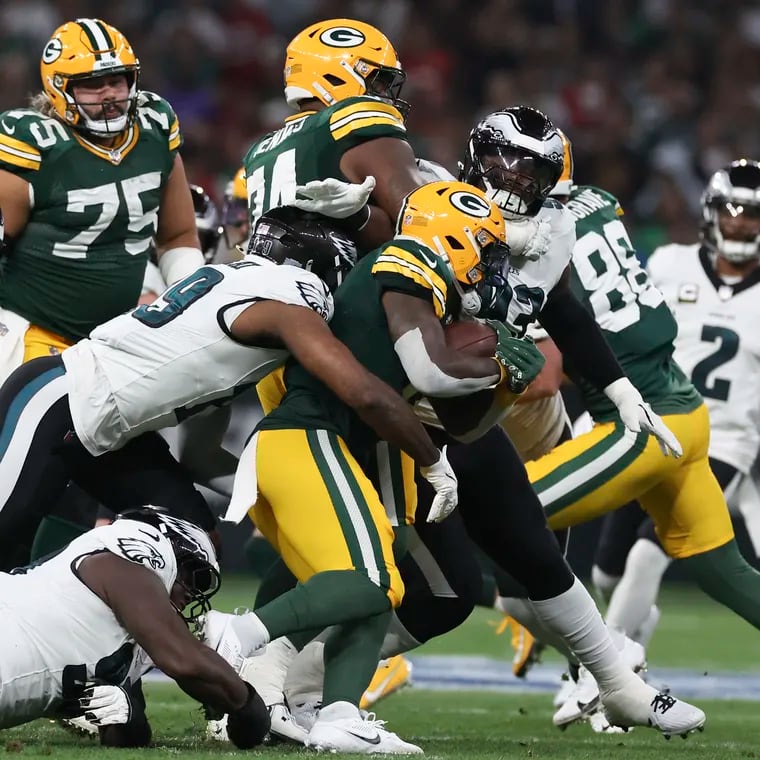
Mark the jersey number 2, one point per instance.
(728, 347)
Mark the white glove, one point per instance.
(106, 705)
(637, 415)
(334, 198)
(529, 238)
(444, 481)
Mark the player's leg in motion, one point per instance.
(603, 469)
(34, 420)
(334, 536)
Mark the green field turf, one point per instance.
(695, 633)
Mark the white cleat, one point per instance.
(217, 730)
(80, 726)
(565, 690)
(580, 702)
(641, 705)
(217, 631)
(284, 726)
(600, 725)
(357, 734)
(306, 712)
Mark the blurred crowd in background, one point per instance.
(654, 94)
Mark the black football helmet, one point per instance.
(197, 565)
(516, 157)
(207, 221)
(287, 235)
(731, 212)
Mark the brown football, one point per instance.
(471, 337)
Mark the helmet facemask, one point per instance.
(386, 83)
(731, 212)
(105, 126)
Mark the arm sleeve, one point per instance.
(579, 337)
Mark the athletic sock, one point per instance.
(632, 600)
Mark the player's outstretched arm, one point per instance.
(141, 604)
(306, 335)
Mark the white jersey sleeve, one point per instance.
(154, 366)
(57, 633)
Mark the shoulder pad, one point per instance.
(609, 197)
(366, 115)
(142, 544)
(558, 216)
(25, 135)
(433, 172)
(551, 203)
(153, 112)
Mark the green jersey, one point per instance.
(310, 146)
(607, 278)
(81, 258)
(401, 265)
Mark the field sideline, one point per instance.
(697, 638)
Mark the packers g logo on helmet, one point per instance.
(469, 203)
(342, 37)
(342, 58)
(456, 221)
(84, 49)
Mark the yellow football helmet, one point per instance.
(565, 182)
(84, 49)
(458, 222)
(341, 58)
(235, 218)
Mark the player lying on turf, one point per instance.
(81, 628)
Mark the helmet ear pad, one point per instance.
(287, 235)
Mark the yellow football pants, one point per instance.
(609, 466)
(391, 470)
(320, 511)
(40, 342)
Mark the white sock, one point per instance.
(397, 639)
(632, 601)
(523, 612)
(647, 628)
(604, 584)
(339, 711)
(574, 616)
(305, 678)
(251, 631)
(267, 672)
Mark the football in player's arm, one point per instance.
(118, 599)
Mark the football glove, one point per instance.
(529, 238)
(334, 198)
(519, 357)
(637, 415)
(444, 482)
(105, 704)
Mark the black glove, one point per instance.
(248, 726)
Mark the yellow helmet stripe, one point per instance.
(175, 137)
(19, 153)
(402, 262)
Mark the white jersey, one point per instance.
(718, 345)
(59, 633)
(152, 367)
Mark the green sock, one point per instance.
(351, 654)
(329, 598)
(726, 576)
(277, 580)
(53, 534)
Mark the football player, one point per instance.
(711, 288)
(80, 628)
(90, 177)
(235, 220)
(389, 312)
(603, 469)
(92, 412)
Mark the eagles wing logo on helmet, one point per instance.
(342, 36)
(315, 298)
(141, 552)
(469, 203)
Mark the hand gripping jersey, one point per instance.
(718, 345)
(81, 258)
(57, 633)
(310, 146)
(152, 367)
(608, 279)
